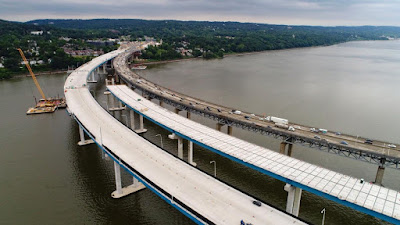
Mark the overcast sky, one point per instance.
(293, 12)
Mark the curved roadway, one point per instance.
(194, 193)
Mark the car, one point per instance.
(338, 133)
(252, 114)
(317, 137)
(257, 203)
(291, 128)
(297, 127)
(368, 141)
(344, 143)
(313, 130)
(190, 103)
(208, 108)
(247, 117)
(391, 146)
(218, 110)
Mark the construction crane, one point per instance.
(32, 74)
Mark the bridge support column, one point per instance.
(282, 148)
(141, 126)
(177, 110)
(83, 142)
(161, 103)
(289, 151)
(104, 68)
(121, 192)
(219, 126)
(180, 147)
(190, 154)
(230, 128)
(188, 114)
(293, 199)
(132, 119)
(380, 172)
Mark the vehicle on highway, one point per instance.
(313, 130)
(237, 112)
(208, 108)
(218, 110)
(344, 143)
(368, 141)
(338, 133)
(247, 117)
(252, 114)
(324, 131)
(277, 119)
(391, 146)
(297, 127)
(317, 137)
(291, 128)
(282, 125)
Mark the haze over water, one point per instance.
(45, 178)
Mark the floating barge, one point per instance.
(47, 106)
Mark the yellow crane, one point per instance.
(32, 74)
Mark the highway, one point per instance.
(378, 152)
(197, 195)
(372, 199)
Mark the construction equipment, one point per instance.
(44, 105)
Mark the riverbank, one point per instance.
(53, 72)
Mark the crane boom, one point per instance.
(32, 74)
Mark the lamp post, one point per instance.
(215, 167)
(323, 216)
(162, 146)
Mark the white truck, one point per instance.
(282, 125)
(277, 120)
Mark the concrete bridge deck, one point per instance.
(199, 196)
(379, 152)
(372, 199)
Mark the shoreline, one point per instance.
(250, 53)
(40, 73)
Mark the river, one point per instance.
(45, 178)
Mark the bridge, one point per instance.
(197, 195)
(358, 148)
(372, 199)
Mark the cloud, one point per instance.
(306, 12)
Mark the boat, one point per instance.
(139, 67)
(39, 110)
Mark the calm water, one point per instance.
(45, 178)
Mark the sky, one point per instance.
(290, 12)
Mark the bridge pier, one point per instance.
(219, 126)
(190, 153)
(230, 129)
(380, 172)
(161, 103)
(282, 148)
(293, 199)
(177, 110)
(120, 191)
(104, 68)
(132, 119)
(180, 147)
(141, 125)
(83, 142)
(188, 114)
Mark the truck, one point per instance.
(324, 131)
(282, 125)
(277, 120)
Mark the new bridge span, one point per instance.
(197, 195)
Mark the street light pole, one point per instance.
(162, 146)
(323, 216)
(215, 168)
